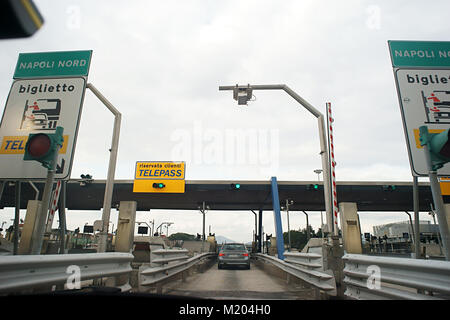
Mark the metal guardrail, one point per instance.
(398, 278)
(305, 267)
(149, 276)
(167, 256)
(308, 260)
(24, 272)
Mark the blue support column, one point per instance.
(277, 218)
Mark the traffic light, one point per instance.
(389, 188)
(87, 179)
(235, 186)
(313, 187)
(158, 185)
(43, 147)
(438, 146)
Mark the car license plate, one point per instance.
(234, 255)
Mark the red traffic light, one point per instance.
(43, 147)
(39, 145)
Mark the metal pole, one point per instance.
(256, 230)
(2, 187)
(412, 227)
(260, 232)
(323, 143)
(111, 168)
(289, 228)
(203, 228)
(42, 216)
(159, 228)
(62, 217)
(438, 240)
(416, 218)
(326, 177)
(319, 171)
(438, 204)
(323, 153)
(308, 235)
(16, 218)
(36, 197)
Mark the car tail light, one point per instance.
(221, 254)
(245, 254)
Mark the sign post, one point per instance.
(422, 76)
(48, 92)
(36, 245)
(44, 101)
(436, 192)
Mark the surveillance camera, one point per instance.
(242, 94)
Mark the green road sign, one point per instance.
(431, 54)
(53, 64)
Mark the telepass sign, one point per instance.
(159, 177)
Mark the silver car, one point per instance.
(233, 254)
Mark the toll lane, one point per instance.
(234, 283)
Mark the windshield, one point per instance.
(205, 165)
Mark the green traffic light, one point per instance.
(316, 186)
(389, 188)
(235, 186)
(158, 185)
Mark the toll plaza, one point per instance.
(331, 266)
(253, 195)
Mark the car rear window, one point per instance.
(234, 247)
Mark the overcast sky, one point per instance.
(161, 63)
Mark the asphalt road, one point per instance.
(239, 283)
